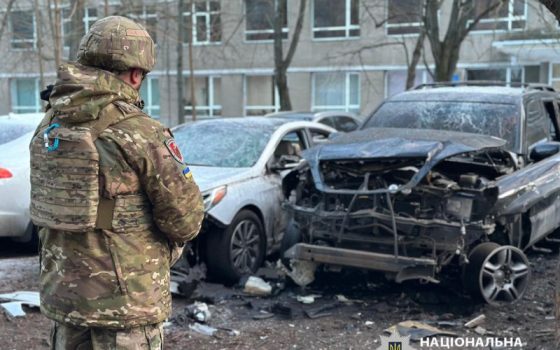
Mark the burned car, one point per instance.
(440, 180)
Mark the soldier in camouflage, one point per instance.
(112, 195)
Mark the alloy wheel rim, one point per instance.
(504, 275)
(244, 247)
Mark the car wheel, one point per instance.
(238, 250)
(497, 273)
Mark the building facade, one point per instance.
(350, 56)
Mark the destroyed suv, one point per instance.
(444, 180)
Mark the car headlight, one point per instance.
(213, 197)
(459, 207)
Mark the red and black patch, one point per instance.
(174, 150)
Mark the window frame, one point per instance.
(14, 97)
(144, 15)
(388, 25)
(13, 40)
(347, 107)
(85, 21)
(193, 13)
(149, 105)
(274, 108)
(214, 110)
(285, 30)
(508, 70)
(348, 26)
(509, 19)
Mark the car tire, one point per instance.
(237, 250)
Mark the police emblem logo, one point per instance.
(174, 150)
(395, 342)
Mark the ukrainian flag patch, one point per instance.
(187, 173)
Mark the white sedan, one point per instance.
(238, 165)
(15, 134)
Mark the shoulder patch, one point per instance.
(174, 150)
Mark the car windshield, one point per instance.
(494, 119)
(10, 131)
(225, 144)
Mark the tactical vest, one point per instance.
(65, 187)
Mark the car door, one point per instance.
(287, 153)
(541, 126)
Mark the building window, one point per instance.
(396, 80)
(511, 15)
(515, 75)
(261, 95)
(23, 30)
(404, 17)
(147, 15)
(259, 24)
(206, 22)
(90, 16)
(336, 19)
(150, 95)
(336, 92)
(555, 76)
(25, 95)
(208, 95)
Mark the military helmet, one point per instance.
(116, 43)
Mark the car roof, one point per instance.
(256, 122)
(496, 94)
(292, 115)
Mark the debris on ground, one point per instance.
(302, 272)
(417, 330)
(307, 299)
(185, 278)
(321, 311)
(203, 329)
(257, 286)
(283, 310)
(198, 312)
(477, 321)
(15, 301)
(480, 331)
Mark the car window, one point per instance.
(345, 124)
(551, 109)
(297, 140)
(329, 121)
(10, 131)
(537, 124)
(495, 119)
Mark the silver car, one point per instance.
(340, 120)
(15, 134)
(238, 164)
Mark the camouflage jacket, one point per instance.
(118, 278)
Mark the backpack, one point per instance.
(65, 187)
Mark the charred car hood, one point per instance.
(382, 143)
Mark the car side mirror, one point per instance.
(544, 150)
(285, 162)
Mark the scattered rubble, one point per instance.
(257, 286)
(477, 321)
(199, 312)
(16, 300)
(417, 330)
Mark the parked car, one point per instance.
(237, 163)
(440, 177)
(341, 121)
(15, 135)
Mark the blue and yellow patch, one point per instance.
(187, 173)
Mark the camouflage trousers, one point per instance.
(67, 337)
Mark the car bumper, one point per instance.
(13, 224)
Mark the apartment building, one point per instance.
(351, 54)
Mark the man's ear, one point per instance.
(136, 76)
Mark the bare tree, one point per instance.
(180, 34)
(6, 16)
(553, 6)
(191, 63)
(281, 63)
(463, 19)
(76, 27)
